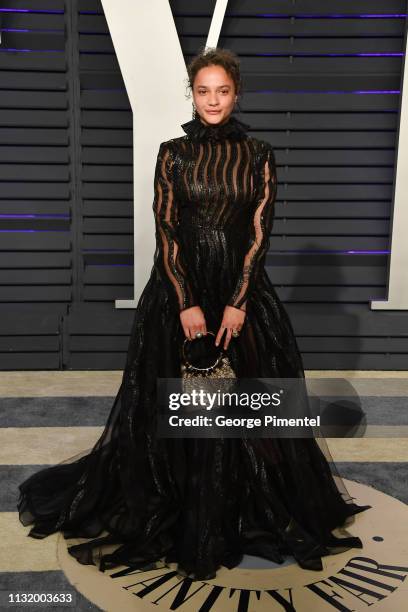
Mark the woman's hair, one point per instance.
(216, 56)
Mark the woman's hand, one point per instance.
(233, 318)
(193, 321)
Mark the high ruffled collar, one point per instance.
(233, 128)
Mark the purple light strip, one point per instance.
(15, 10)
(25, 231)
(356, 252)
(366, 54)
(34, 216)
(13, 30)
(25, 30)
(299, 55)
(347, 252)
(326, 15)
(344, 91)
(32, 50)
(34, 30)
(328, 55)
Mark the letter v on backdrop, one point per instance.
(151, 61)
(154, 72)
(398, 261)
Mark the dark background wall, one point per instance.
(322, 82)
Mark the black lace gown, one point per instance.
(140, 499)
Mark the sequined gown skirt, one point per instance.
(201, 503)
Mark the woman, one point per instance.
(202, 503)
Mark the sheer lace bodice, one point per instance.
(215, 178)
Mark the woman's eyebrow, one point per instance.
(205, 86)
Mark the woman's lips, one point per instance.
(213, 112)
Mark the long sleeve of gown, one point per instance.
(168, 256)
(259, 234)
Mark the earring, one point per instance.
(194, 111)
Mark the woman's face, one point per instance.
(214, 94)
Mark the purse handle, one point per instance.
(190, 365)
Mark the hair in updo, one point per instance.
(216, 56)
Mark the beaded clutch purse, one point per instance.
(195, 377)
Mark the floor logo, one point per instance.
(374, 577)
